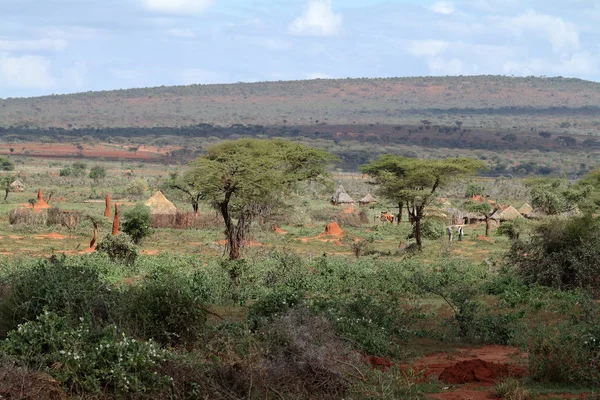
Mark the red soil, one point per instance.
(277, 229)
(348, 210)
(477, 370)
(53, 235)
(485, 239)
(40, 202)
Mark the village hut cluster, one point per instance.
(342, 198)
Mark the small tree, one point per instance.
(97, 172)
(137, 223)
(415, 182)
(188, 187)
(118, 248)
(247, 178)
(5, 182)
(483, 209)
(6, 164)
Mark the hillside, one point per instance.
(481, 101)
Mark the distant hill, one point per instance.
(493, 100)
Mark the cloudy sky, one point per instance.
(63, 46)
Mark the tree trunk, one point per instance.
(6, 195)
(195, 206)
(487, 226)
(400, 207)
(418, 215)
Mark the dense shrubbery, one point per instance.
(562, 253)
(137, 223)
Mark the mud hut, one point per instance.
(340, 197)
(367, 200)
(17, 186)
(525, 209)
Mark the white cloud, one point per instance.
(25, 72)
(454, 66)
(318, 19)
(562, 35)
(428, 48)
(318, 75)
(33, 45)
(580, 64)
(443, 7)
(177, 6)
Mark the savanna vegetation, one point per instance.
(253, 299)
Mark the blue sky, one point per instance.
(64, 46)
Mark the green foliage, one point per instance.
(167, 307)
(474, 189)
(432, 230)
(562, 253)
(512, 229)
(6, 164)
(76, 170)
(590, 184)
(552, 195)
(97, 172)
(245, 178)
(118, 248)
(511, 389)
(137, 187)
(272, 305)
(485, 209)
(137, 223)
(566, 353)
(64, 285)
(85, 358)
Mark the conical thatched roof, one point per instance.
(159, 204)
(341, 197)
(574, 212)
(508, 214)
(525, 209)
(537, 214)
(368, 199)
(17, 184)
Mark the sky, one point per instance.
(65, 46)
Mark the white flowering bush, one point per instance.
(87, 359)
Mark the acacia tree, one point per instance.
(248, 178)
(5, 181)
(485, 210)
(553, 195)
(188, 187)
(414, 182)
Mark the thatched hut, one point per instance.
(17, 186)
(525, 209)
(341, 197)
(537, 214)
(164, 213)
(509, 214)
(367, 200)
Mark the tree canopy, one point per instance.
(245, 179)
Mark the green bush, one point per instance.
(84, 358)
(566, 353)
(97, 172)
(60, 285)
(137, 187)
(561, 253)
(137, 223)
(432, 230)
(167, 307)
(512, 229)
(118, 248)
(271, 305)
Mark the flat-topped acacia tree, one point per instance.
(415, 182)
(245, 179)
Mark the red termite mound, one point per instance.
(333, 229)
(107, 208)
(477, 370)
(40, 203)
(115, 225)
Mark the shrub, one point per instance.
(271, 305)
(512, 229)
(563, 254)
(432, 230)
(137, 187)
(59, 285)
(97, 172)
(511, 389)
(137, 223)
(119, 249)
(86, 359)
(566, 353)
(167, 307)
